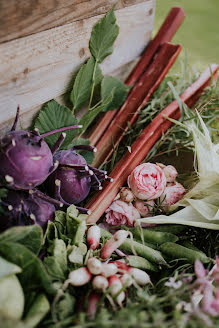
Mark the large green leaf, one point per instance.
(29, 236)
(103, 35)
(121, 90)
(83, 83)
(33, 275)
(54, 116)
(88, 118)
(56, 265)
(8, 268)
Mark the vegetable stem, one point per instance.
(93, 85)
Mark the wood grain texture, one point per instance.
(40, 67)
(25, 17)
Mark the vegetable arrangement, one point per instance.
(59, 266)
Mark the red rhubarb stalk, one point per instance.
(141, 93)
(146, 140)
(165, 34)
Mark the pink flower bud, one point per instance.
(147, 181)
(169, 171)
(120, 212)
(144, 207)
(172, 194)
(126, 195)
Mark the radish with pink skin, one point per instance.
(100, 283)
(116, 286)
(109, 269)
(94, 265)
(79, 277)
(93, 301)
(113, 243)
(93, 237)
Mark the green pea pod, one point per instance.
(176, 251)
(141, 263)
(171, 228)
(154, 237)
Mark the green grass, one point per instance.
(199, 33)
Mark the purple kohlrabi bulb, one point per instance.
(22, 208)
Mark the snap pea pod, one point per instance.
(176, 251)
(171, 228)
(140, 263)
(141, 250)
(154, 237)
(189, 245)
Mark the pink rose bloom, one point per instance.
(144, 207)
(172, 194)
(120, 212)
(147, 181)
(169, 171)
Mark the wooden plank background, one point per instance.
(40, 67)
(20, 18)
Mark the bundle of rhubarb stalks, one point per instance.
(121, 229)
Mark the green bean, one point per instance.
(141, 250)
(176, 251)
(171, 228)
(154, 237)
(141, 263)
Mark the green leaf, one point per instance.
(37, 312)
(56, 265)
(121, 90)
(88, 118)
(29, 236)
(65, 308)
(33, 275)
(83, 83)
(54, 116)
(103, 35)
(8, 268)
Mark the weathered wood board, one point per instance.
(40, 67)
(25, 17)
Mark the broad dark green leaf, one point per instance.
(103, 35)
(33, 275)
(29, 236)
(83, 82)
(56, 264)
(54, 116)
(88, 118)
(37, 311)
(121, 90)
(8, 268)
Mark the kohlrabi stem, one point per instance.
(93, 85)
(16, 119)
(60, 130)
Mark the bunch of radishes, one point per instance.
(110, 277)
(27, 162)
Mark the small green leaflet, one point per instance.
(54, 116)
(103, 35)
(88, 118)
(120, 92)
(56, 264)
(83, 82)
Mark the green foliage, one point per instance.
(54, 116)
(110, 84)
(103, 35)
(8, 268)
(30, 236)
(83, 82)
(56, 264)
